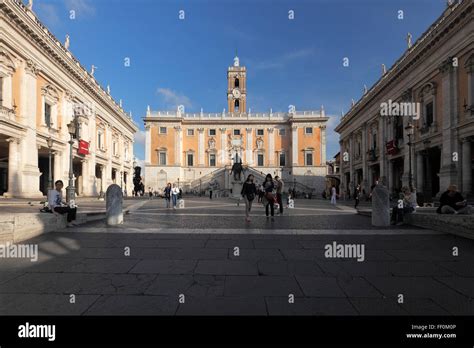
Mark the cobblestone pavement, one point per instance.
(205, 260)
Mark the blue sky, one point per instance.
(297, 61)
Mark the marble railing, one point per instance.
(7, 113)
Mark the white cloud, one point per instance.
(172, 98)
(283, 60)
(81, 7)
(140, 137)
(332, 137)
(48, 14)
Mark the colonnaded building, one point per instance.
(197, 151)
(42, 89)
(429, 96)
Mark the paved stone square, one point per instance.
(206, 260)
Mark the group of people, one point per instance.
(269, 194)
(172, 193)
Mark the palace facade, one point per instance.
(197, 151)
(431, 146)
(43, 88)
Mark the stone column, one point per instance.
(365, 167)
(102, 178)
(381, 148)
(13, 168)
(323, 145)
(57, 170)
(29, 171)
(351, 167)
(271, 147)
(470, 80)
(85, 190)
(178, 145)
(7, 91)
(201, 147)
(147, 144)
(294, 145)
(249, 148)
(448, 170)
(223, 147)
(466, 167)
(420, 174)
(390, 175)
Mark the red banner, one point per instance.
(391, 147)
(83, 147)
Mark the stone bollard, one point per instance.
(380, 206)
(113, 204)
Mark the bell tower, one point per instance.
(237, 87)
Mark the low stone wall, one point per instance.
(16, 228)
(461, 225)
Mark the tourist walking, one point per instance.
(279, 191)
(174, 195)
(167, 193)
(249, 192)
(150, 193)
(269, 198)
(210, 193)
(357, 196)
(333, 194)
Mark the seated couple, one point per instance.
(58, 206)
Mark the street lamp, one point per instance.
(50, 175)
(70, 190)
(409, 129)
(178, 183)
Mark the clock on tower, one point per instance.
(236, 87)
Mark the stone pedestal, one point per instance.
(380, 206)
(113, 203)
(236, 189)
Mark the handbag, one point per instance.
(270, 196)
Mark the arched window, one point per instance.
(236, 105)
(236, 83)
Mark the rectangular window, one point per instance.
(190, 132)
(374, 140)
(212, 132)
(260, 160)
(236, 131)
(126, 152)
(47, 114)
(282, 131)
(162, 130)
(115, 148)
(260, 131)
(282, 159)
(162, 158)
(212, 160)
(429, 114)
(309, 158)
(308, 130)
(190, 159)
(99, 140)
